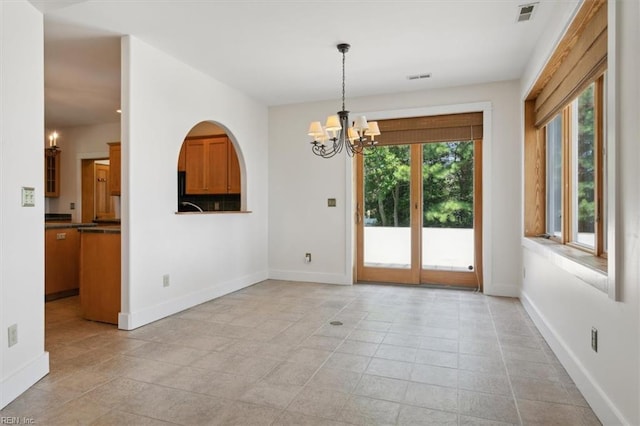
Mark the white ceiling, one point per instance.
(283, 51)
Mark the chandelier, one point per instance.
(338, 134)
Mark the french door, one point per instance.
(419, 214)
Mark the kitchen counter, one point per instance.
(66, 225)
(113, 221)
(100, 229)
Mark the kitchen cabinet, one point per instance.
(182, 158)
(51, 172)
(233, 176)
(114, 168)
(103, 203)
(62, 249)
(100, 274)
(211, 166)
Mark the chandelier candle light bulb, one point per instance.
(338, 130)
(53, 140)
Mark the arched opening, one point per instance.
(209, 171)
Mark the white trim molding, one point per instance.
(602, 406)
(14, 385)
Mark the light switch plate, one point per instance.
(28, 196)
(12, 334)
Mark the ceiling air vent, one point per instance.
(419, 76)
(525, 11)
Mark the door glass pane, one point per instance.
(447, 233)
(554, 177)
(583, 170)
(387, 214)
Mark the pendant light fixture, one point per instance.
(338, 133)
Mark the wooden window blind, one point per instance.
(580, 58)
(437, 128)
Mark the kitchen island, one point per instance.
(100, 273)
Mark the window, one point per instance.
(565, 160)
(554, 177)
(574, 158)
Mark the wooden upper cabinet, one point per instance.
(51, 172)
(209, 167)
(182, 159)
(233, 171)
(114, 168)
(195, 159)
(217, 166)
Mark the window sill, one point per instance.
(214, 212)
(585, 266)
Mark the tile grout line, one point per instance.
(504, 363)
(304, 386)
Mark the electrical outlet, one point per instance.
(594, 339)
(13, 334)
(72, 206)
(307, 258)
(165, 280)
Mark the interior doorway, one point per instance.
(419, 208)
(97, 203)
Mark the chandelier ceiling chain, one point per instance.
(339, 130)
(344, 54)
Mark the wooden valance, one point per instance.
(579, 60)
(436, 128)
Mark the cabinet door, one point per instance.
(51, 173)
(182, 158)
(195, 159)
(62, 249)
(103, 202)
(217, 166)
(114, 168)
(233, 178)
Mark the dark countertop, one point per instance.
(64, 225)
(57, 217)
(107, 221)
(101, 230)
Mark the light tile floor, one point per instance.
(269, 355)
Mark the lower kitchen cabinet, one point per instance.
(62, 247)
(100, 274)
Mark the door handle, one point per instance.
(358, 214)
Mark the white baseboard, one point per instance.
(133, 320)
(310, 277)
(602, 406)
(501, 290)
(14, 385)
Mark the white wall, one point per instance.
(77, 143)
(300, 183)
(21, 228)
(206, 255)
(565, 308)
